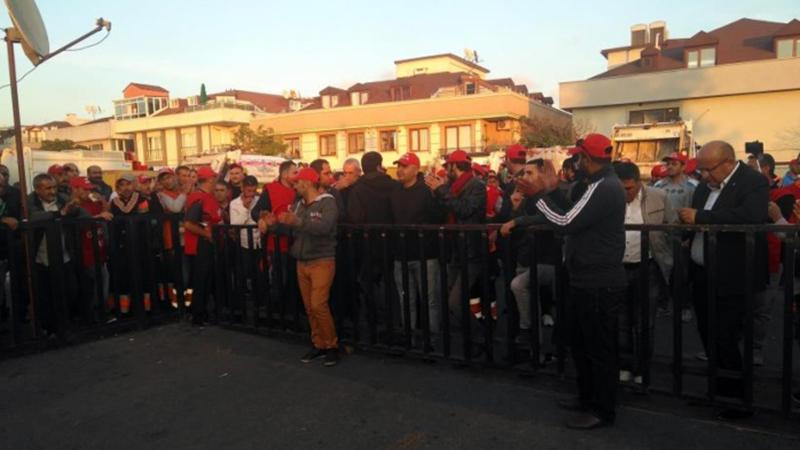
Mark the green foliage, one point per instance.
(203, 95)
(261, 141)
(58, 145)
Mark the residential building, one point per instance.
(435, 104)
(32, 136)
(97, 134)
(166, 130)
(739, 83)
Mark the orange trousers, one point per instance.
(315, 279)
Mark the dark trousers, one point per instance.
(56, 305)
(202, 280)
(631, 319)
(593, 325)
(730, 312)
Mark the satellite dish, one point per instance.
(28, 23)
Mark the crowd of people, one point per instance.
(586, 202)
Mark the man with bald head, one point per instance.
(734, 194)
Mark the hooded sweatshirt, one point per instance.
(315, 233)
(368, 201)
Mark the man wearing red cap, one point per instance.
(202, 213)
(594, 247)
(464, 200)
(413, 204)
(516, 157)
(312, 223)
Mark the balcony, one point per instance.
(218, 105)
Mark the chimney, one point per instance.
(639, 35)
(658, 33)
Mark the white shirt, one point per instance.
(240, 215)
(697, 244)
(633, 239)
(41, 252)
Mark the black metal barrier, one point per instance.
(68, 279)
(439, 292)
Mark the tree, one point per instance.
(545, 132)
(262, 141)
(58, 145)
(203, 95)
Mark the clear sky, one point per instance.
(270, 46)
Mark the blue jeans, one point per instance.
(415, 288)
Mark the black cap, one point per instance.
(371, 161)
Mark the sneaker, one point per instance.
(637, 379)
(625, 376)
(547, 320)
(701, 356)
(312, 354)
(331, 358)
(686, 316)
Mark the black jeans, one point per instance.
(593, 325)
(202, 280)
(730, 312)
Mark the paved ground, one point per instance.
(175, 387)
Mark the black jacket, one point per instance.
(742, 201)
(416, 206)
(368, 201)
(548, 244)
(594, 229)
(468, 208)
(102, 188)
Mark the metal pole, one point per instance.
(12, 80)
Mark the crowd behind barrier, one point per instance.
(446, 276)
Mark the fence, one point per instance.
(255, 289)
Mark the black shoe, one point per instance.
(312, 354)
(572, 404)
(586, 421)
(735, 414)
(331, 358)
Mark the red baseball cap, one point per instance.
(659, 171)
(80, 182)
(478, 169)
(691, 166)
(457, 156)
(516, 152)
(595, 145)
(307, 174)
(572, 151)
(142, 179)
(55, 169)
(409, 159)
(205, 172)
(166, 170)
(676, 156)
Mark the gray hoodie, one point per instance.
(315, 233)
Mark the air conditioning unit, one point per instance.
(504, 125)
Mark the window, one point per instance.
(419, 140)
(458, 137)
(388, 141)
(708, 57)
(647, 151)
(654, 115)
(358, 98)
(154, 151)
(693, 59)
(96, 147)
(292, 147)
(327, 145)
(355, 142)
(189, 143)
(470, 88)
(788, 48)
(400, 93)
(330, 101)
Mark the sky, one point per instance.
(307, 45)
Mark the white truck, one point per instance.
(38, 161)
(648, 143)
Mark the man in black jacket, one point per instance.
(594, 248)
(413, 204)
(368, 203)
(464, 200)
(731, 194)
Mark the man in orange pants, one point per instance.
(312, 222)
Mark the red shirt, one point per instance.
(203, 210)
(94, 208)
(281, 198)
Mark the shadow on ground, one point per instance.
(181, 388)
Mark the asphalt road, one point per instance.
(176, 387)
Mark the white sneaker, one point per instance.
(686, 316)
(547, 320)
(701, 356)
(637, 379)
(625, 376)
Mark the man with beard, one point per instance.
(95, 176)
(235, 177)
